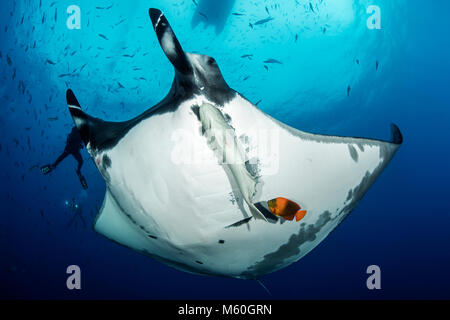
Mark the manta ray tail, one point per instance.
(264, 287)
(95, 133)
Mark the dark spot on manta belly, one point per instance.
(356, 194)
(274, 260)
(106, 161)
(199, 262)
(227, 118)
(221, 241)
(196, 110)
(349, 195)
(353, 152)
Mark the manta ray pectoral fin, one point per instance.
(95, 133)
(396, 135)
(113, 224)
(169, 42)
(83, 122)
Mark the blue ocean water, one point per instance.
(117, 69)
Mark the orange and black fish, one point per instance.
(286, 209)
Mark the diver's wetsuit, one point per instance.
(73, 146)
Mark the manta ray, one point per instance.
(207, 183)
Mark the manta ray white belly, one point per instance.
(169, 197)
(180, 213)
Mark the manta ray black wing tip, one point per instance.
(95, 132)
(154, 14)
(75, 109)
(80, 118)
(159, 22)
(71, 99)
(396, 135)
(168, 41)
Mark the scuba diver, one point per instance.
(73, 146)
(77, 212)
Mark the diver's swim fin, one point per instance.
(83, 181)
(47, 168)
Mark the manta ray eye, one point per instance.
(211, 61)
